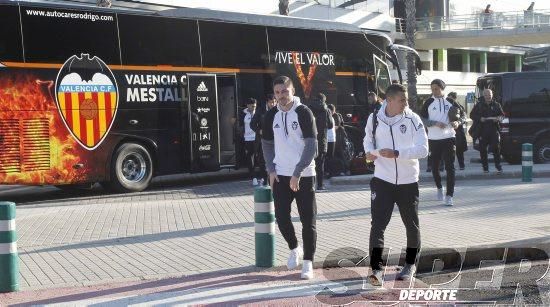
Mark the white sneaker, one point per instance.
(307, 270)
(448, 200)
(294, 258)
(440, 195)
(262, 181)
(254, 182)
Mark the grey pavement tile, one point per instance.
(203, 229)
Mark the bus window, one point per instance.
(54, 35)
(147, 40)
(351, 51)
(10, 36)
(382, 76)
(284, 39)
(242, 46)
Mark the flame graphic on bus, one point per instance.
(306, 82)
(23, 99)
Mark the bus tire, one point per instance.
(131, 168)
(541, 151)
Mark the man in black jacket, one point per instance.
(488, 113)
(323, 121)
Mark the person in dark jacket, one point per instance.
(488, 113)
(375, 103)
(256, 124)
(323, 121)
(461, 144)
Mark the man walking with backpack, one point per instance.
(395, 139)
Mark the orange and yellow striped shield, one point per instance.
(88, 111)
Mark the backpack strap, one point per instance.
(374, 126)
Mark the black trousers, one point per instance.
(307, 209)
(384, 196)
(330, 152)
(444, 150)
(489, 138)
(250, 153)
(261, 163)
(320, 168)
(460, 158)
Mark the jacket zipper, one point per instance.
(394, 159)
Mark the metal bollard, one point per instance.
(264, 224)
(9, 260)
(527, 162)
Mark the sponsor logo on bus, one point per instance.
(202, 87)
(87, 99)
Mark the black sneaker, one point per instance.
(499, 170)
(486, 170)
(428, 170)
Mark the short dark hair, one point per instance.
(270, 96)
(331, 107)
(452, 95)
(251, 101)
(284, 80)
(393, 89)
(439, 83)
(321, 97)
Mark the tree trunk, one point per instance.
(283, 7)
(410, 11)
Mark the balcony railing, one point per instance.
(496, 20)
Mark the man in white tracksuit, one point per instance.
(441, 135)
(395, 139)
(289, 140)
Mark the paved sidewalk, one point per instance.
(473, 170)
(185, 231)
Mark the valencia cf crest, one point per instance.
(87, 99)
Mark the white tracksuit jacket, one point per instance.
(404, 133)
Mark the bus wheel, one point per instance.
(541, 151)
(132, 168)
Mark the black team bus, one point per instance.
(117, 96)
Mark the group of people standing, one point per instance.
(330, 127)
(294, 139)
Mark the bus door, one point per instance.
(203, 122)
(227, 103)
